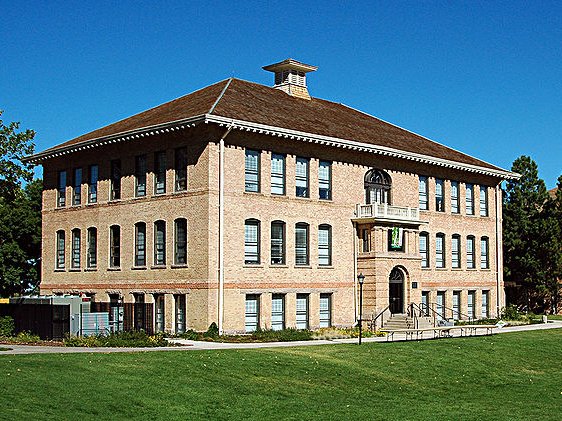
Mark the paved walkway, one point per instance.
(201, 345)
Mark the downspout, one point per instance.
(499, 250)
(356, 311)
(221, 231)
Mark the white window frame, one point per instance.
(278, 174)
(252, 171)
(302, 311)
(423, 193)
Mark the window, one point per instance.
(301, 244)
(93, 184)
(180, 169)
(455, 208)
(159, 318)
(485, 311)
(277, 312)
(456, 305)
(251, 242)
(456, 252)
(180, 252)
(60, 250)
(440, 305)
(483, 201)
(324, 245)
(277, 174)
(115, 179)
(470, 304)
(252, 316)
(484, 253)
(160, 172)
(325, 180)
(252, 171)
(160, 243)
(302, 311)
(77, 187)
(469, 199)
(440, 250)
(424, 249)
(470, 252)
(179, 300)
(301, 175)
(61, 190)
(396, 239)
(140, 244)
(140, 176)
(115, 246)
(439, 200)
(92, 256)
(365, 240)
(139, 312)
(377, 185)
(425, 303)
(277, 243)
(75, 262)
(325, 310)
(422, 189)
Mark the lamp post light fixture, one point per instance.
(360, 279)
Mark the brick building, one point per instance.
(251, 206)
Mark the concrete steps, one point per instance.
(402, 321)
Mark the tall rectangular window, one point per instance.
(115, 179)
(302, 178)
(470, 304)
(325, 310)
(160, 243)
(93, 184)
(302, 311)
(77, 187)
(180, 312)
(440, 250)
(365, 240)
(439, 192)
(75, 262)
(61, 189)
(159, 312)
(160, 172)
(252, 313)
(140, 176)
(277, 243)
(301, 244)
(422, 190)
(277, 312)
(180, 166)
(470, 253)
(180, 241)
(92, 257)
(456, 305)
(324, 245)
(252, 171)
(277, 174)
(484, 253)
(483, 201)
(325, 180)
(60, 250)
(485, 311)
(424, 249)
(456, 252)
(469, 199)
(251, 242)
(140, 244)
(455, 207)
(115, 246)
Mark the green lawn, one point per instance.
(508, 376)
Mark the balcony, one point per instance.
(386, 213)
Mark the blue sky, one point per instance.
(481, 77)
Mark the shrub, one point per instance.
(136, 339)
(212, 331)
(511, 313)
(7, 326)
(190, 334)
(285, 335)
(344, 333)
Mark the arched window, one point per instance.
(92, 256)
(75, 262)
(377, 186)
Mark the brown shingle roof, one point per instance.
(260, 104)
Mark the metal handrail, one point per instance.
(453, 311)
(413, 311)
(381, 314)
(434, 313)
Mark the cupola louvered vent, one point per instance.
(290, 77)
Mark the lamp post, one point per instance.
(360, 279)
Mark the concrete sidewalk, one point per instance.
(187, 345)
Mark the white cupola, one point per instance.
(290, 77)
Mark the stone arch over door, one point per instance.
(397, 280)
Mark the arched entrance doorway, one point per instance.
(396, 291)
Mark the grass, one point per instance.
(509, 376)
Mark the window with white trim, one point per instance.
(251, 242)
(179, 300)
(61, 190)
(422, 190)
(302, 177)
(301, 244)
(77, 187)
(160, 243)
(424, 249)
(60, 250)
(140, 175)
(277, 243)
(469, 199)
(456, 251)
(483, 201)
(277, 312)
(93, 184)
(484, 253)
(439, 198)
(440, 250)
(277, 174)
(325, 180)
(252, 312)
(470, 305)
(160, 172)
(140, 244)
(92, 254)
(252, 171)
(302, 311)
(324, 245)
(115, 179)
(180, 167)
(455, 204)
(114, 246)
(180, 241)
(75, 262)
(485, 310)
(470, 264)
(325, 310)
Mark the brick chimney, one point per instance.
(290, 77)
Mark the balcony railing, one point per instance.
(385, 211)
